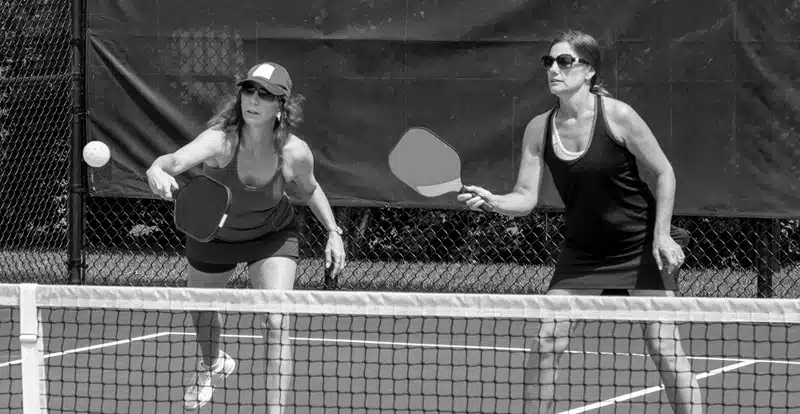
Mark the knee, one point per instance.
(552, 338)
(550, 345)
(275, 324)
(668, 354)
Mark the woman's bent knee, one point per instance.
(553, 337)
(276, 322)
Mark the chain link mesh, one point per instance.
(133, 241)
(35, 120)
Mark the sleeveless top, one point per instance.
(254, 211)
(609, 209)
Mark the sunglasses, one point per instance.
(563, 61)
(249, 90)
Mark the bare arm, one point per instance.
(525, 195)
(299, 170)
(207, 145)
(640, 141)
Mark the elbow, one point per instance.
(517, 211)
(524, 211)
(529, 204)
(526, 204)
(165, 162)
(666, 180)
(312, 193)
(174, 165)
(303, 196)
(666, 173)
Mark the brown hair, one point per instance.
(229, 117)
(587, 48)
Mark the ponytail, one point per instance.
(598, 89)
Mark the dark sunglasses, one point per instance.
(249, 90)
(563, 61)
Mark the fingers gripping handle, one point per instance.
(485, 206)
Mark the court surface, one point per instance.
(135, 362)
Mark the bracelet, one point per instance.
(336, 229)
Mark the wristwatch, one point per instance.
(337, 229)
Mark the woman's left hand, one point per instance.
(334, 253)
(667, 253)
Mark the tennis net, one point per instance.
(81, 349)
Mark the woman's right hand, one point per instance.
(161, 183)
(475, 197)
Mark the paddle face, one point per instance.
(201, 207)
(428, 164)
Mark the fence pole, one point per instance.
(767, 260)
(77, 176)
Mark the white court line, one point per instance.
(741, 362)
(389, 343)
(91, 347)
(699, 358)
(497, 348)
(650, 390)
(411, 344)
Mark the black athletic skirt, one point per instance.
(636, 270)
(217, 256)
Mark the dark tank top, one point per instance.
(254, 212)
(609, 210)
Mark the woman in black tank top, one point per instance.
(618, 236)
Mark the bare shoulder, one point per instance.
(296, 150)
(219, 143)
(212, 134)
(622, 119)
(538, 122)
(617, 110)
(298, 161)
(534, 132)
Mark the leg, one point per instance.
(215, 364)
(664, 347)
(207, 323)
(541, 368)
(276, 273)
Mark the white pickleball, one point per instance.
(96, 154)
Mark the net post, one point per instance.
(77, 179)
(767, 260)
(34, 385)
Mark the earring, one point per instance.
(278, 116)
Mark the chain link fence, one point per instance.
(35, 126)
(133, 241)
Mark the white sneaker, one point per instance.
(206, 379)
